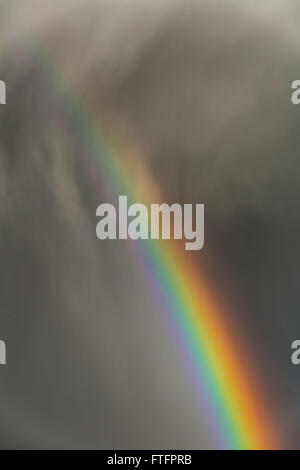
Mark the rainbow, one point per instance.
(212, 347)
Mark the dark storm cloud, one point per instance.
(206, 88)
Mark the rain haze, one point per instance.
(203, 90)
